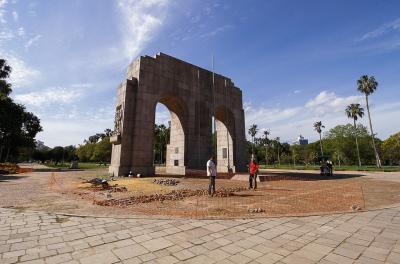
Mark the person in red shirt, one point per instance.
(253, 170)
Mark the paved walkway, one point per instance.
(37, 237)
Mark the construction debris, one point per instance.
(355, 207)
(170, 196)
(97, 181)
(102, 184)
(166, 182)
(9, 168)
(256, 210)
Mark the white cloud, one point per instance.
(326, 102)
(162, 114)
(328, 107)
(163, 117)
(382, 30)
(72, 120)
(31, 41)
(21, 31)
(15, 16)
(216, 31)
(141, 20)
(268, 115)
(69, 132)
(2, 11)
(58, 95)
(22, 74)
(105, 113)
(6, 35)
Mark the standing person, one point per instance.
(253, 170)
(212, 173)
(330, 167)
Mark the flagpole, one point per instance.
(214, 123)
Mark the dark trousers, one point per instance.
(211, 187)
(253, 177)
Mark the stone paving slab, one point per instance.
(39, 237)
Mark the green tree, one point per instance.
(354, 111)
(391, 149)
(5, 87)
(108, 132)
(318, 127)
(339, 142)
(266, 143)
(85, 152)
(368, 85)
(18, 127)
(102, 151)
(161, 139)
(278, 144)
(252, 132)
(57, 154)
(69, 153)
(41, 155)
(96, 148)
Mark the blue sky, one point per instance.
(297, 62)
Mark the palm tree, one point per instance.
(277, 139)
(354, 111)
(253, 132)
(266, 134)
(318, 127)
(367, 85)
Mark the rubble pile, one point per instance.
(226, 192)
(97, 181)
(174, 195)
(102, 185)
(166, 182)
(256, 210)
(355, 207)
(8, 168)
(116, 188)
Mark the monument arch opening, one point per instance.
(192, 95)
(175, 162)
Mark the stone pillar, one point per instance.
(240, 141)
(200, 137)
(122, 139)
(225, 150)
(142, 151)
(132, 148)
(175, 161)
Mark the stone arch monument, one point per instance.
(193, 96)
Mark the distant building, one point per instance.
(301, 141)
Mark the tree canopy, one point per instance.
(18, 127)
(339, 145)
(391, 149)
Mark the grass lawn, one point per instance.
(336, 168)
(81, 165)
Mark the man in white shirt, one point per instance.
(212, 173)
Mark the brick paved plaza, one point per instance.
(38, 237)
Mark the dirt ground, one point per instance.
(293, 194)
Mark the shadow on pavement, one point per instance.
(304, 176)
(6, 178)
